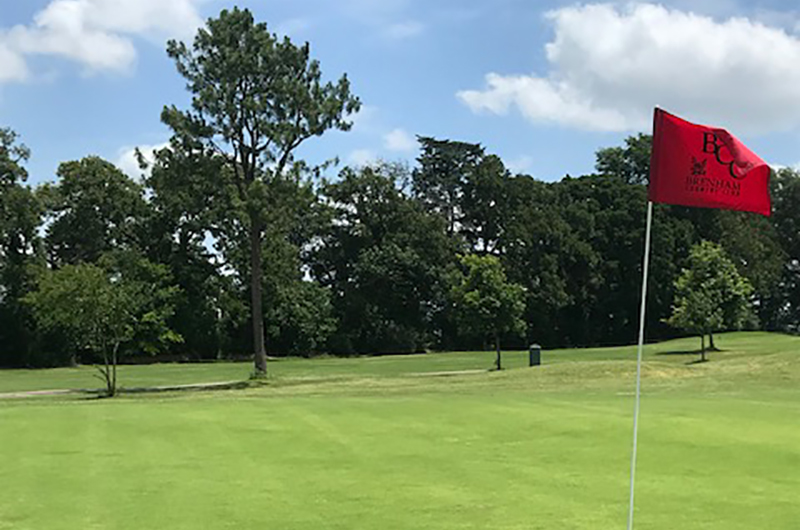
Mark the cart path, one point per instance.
(218, 385)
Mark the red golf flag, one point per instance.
(695, 165)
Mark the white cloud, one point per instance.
(12, 65)
(98, 33)
(362, 157)
(96, 50)
(399, 140)
(542, 100)
(609, 66)
(404, 30)
(127, 162)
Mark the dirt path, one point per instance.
(36, 393)
(218, 385)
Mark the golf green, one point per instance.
(361, 444)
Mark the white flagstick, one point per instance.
(639, 356)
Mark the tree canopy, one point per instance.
(100, 310)
(256, 99)
(485, 303)
(710, 294)
(234, 243)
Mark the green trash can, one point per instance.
(534, 355)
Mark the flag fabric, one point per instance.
(696, 165)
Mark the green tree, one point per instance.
(486, 303)
(485, 206)
(539, 247)
(185, 205)
(20, 247)
(752, 243)
(93, 208)
(301, 318)
(384, 259)
(101, 310)
(12, 157)
(444, 169)
(194, 205)
(257, 98)
(630, 163)
(786, 220)
(710, 294)
(785, 185)
(605, 217)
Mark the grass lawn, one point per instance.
(369, 443)
(295, 369)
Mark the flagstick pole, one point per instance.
(639, 357)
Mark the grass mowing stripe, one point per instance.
(363, 446)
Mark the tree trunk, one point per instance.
(497, 362)
(114, 369)
(703, 347)
(105, 371)
(257, 311)
(711, 342)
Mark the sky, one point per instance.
(542, 84)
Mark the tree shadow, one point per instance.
(697, 353)
(101, 394)
(697, 361)
(690, 352)
(194, 387)
(681, 352)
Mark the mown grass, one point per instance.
(370, 443)
(669, 354)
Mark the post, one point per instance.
(639, 357)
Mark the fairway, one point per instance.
(375, 443)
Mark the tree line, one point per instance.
(230, 246)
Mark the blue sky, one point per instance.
(542, 84)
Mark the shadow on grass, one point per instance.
(697, 361)
(689, 352)
(697, 353)
(679, 352)
(228, 385)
